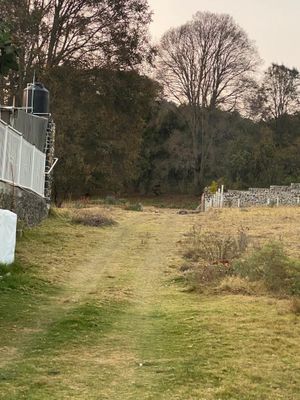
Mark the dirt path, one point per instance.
(128, 277)
(121, 328)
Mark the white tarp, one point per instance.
(8, 230)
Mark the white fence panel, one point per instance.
(38, 184)
(26, 164)
(12, 160)
(21, 163)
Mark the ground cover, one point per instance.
(102, 313)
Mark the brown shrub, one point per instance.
(95, 220)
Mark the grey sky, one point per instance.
(273, 24)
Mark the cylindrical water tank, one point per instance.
(36, 99)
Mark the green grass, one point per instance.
(101, 315)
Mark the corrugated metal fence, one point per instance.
(21, 163)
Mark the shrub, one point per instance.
(238, 285)
(111, 200)
(134, 207)
(204, 275)
(96, 220)
(295, 305)
(215, 247)
(271, 265)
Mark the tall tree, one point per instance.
(206, 64)
(94, 32)
(280, 91)
(100, 117)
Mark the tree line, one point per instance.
(206, 114)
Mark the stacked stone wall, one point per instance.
(29, 207)
(275, 195)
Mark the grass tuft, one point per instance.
(95, 220)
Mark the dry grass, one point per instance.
(263, 225)
(88, 218)
(120, 326)
(219, 256)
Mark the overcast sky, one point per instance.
(273, 24)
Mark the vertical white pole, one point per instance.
(4, 152)
(268, 202)
(239, 203)
(277, 201)
(222, 196)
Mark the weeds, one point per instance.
(214, 247)
(95, 220)
(271, 265)
(113, 201)
(134, 207)
(215, 261)
(295, 305)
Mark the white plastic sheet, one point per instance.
(8, 230)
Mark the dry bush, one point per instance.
(215, 247)
(205, 275)
(91, 219)
(271, 265)
(238, 285)
(134, 207)
(295, 305)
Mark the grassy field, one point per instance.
(102, 313)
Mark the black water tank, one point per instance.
(37, 94)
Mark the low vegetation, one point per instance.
(222, 262)
(92, 219)
(101, 313)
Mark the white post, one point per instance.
(268, 202)
(298, 200)
(222, 196)
(277, 201)
(239, 203)
(4, 152)
(18, 180)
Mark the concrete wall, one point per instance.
(275, 195)
(30, 208)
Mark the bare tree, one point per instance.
(206, 64)
(280, 91)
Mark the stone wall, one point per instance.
(275, 195)
(49, 151)
(29, 207)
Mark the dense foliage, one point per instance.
(8, 51)
(116, 133)
(243, 153)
